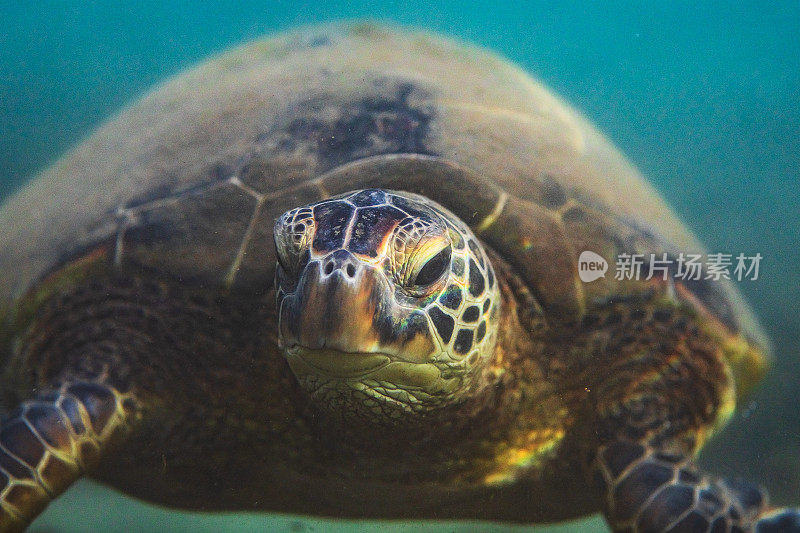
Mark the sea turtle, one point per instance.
(417, 209)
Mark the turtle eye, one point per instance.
(433, 269)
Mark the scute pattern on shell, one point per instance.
(256, 139)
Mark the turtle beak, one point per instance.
(334, 305)
(343, 304)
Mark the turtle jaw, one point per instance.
(358, 370)
(334, 364)
(372, 388)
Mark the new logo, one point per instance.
(591, 266)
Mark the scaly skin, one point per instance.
(387, 305)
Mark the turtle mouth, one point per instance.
(335, 363)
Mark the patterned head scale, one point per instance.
(387, 303)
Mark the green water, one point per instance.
(105, 510)
(705, 100)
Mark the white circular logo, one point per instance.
(591, 266)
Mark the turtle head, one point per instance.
(387, 304)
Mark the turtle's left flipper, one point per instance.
(50, 441)
(650, 490)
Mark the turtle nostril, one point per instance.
(328, 268)
(351, 271)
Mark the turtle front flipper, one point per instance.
(85, 360)
(49, 442)
(651, 490)
(656, 406)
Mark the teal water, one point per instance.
(704, 99)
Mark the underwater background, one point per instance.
(703, 97)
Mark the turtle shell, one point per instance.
(187, 181)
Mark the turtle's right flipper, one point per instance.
(51, 441)
(650, 491)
